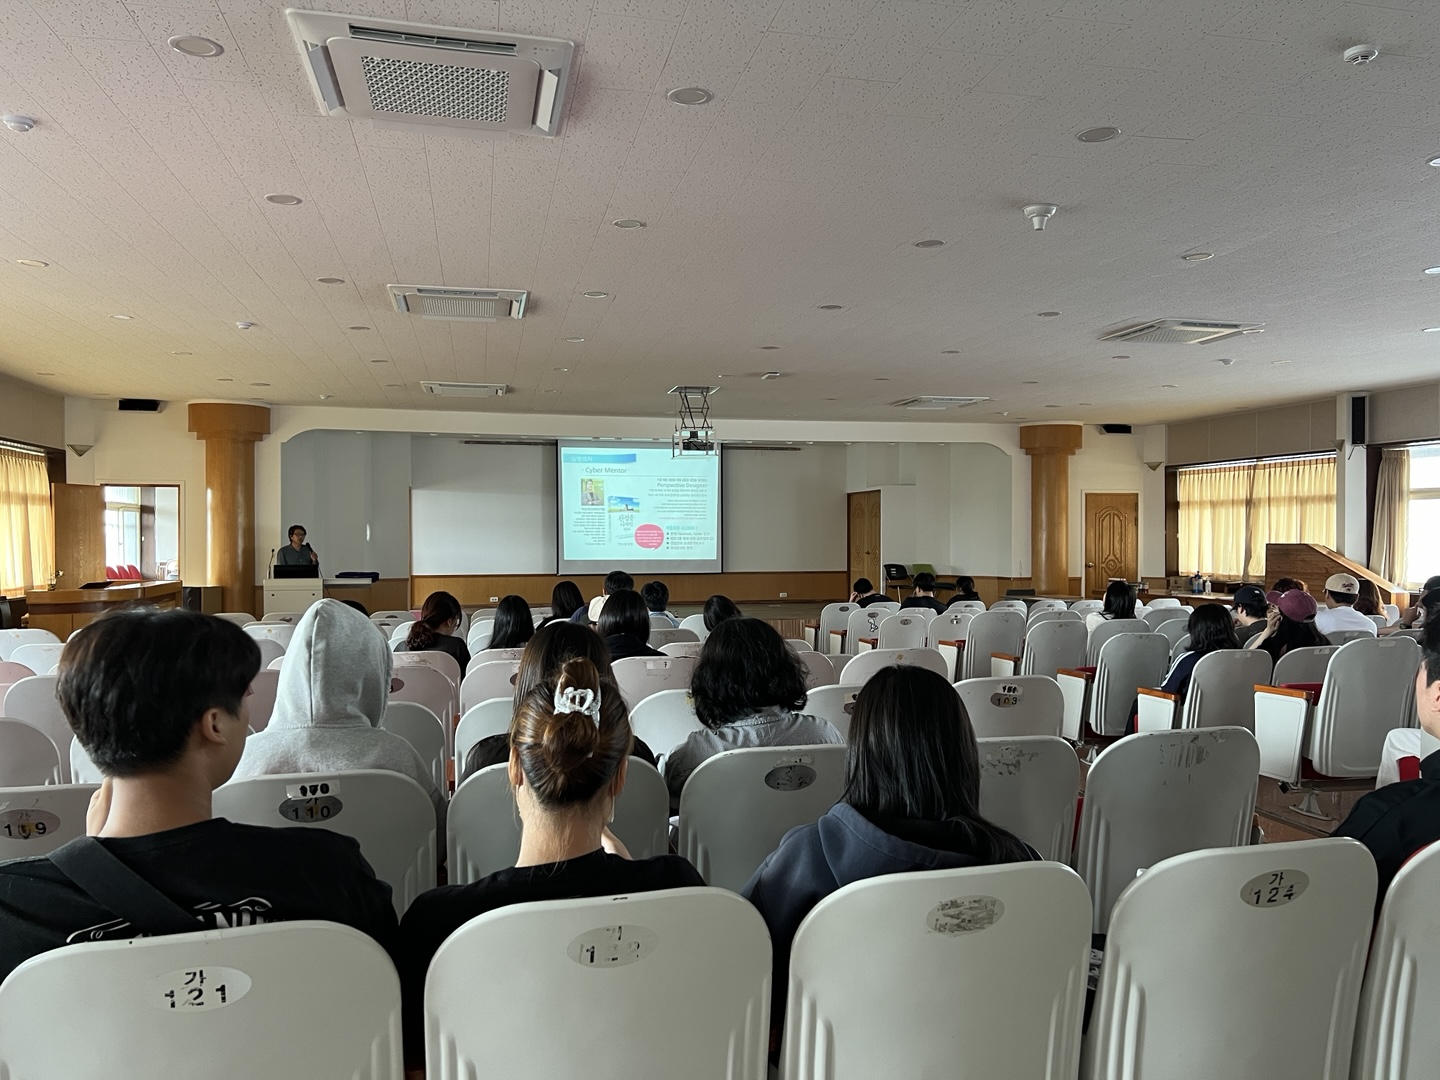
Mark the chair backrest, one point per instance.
(278, 632)
(35, 820)
(391, 613)
(1029, 784)
(495, 678)
(1127, 662)
(389, 814)
(1392, 614)
(489, 656)
(1396, 1038)
(11, 673)
(239, 618)
(819, 671)
(903, 631)
(1054, 644)
(1307, 665)
(1001, 630)
(606, 965)
(482, 827)
(671, 635)
(682, 648)
(442, 662)
(477, 638)
(835, 703)
(10, 640)
(426, 685)
(263, 689)
(33, 701)
(1049, 605)
(660, 621)
(1179, 647)
(1158, 617)
(1040, 616)
(288, 617)
(28, 758)
(663, 720)
(1112, 628)
(1222, 689)
(481, 721)
(889, 607)
(737, 805)
(1158, 794)
(1174, 630)
(974, 607)
(1016, 705)
(640, 676)
(1085, 607)
(863, 623)
(859, 670)
(1201, 938)
(1344, 637)
(1165, 602)
(400, 631)
(82, 769)
(951, 625)
(1369, 688)
(262, 1014)
(697, 624)
(423, 730)
(879, 967)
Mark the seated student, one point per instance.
(1286, 584)
(656, 595)
(964, 589)
(334, 686)
(1289, 624)
(1248, 611)
(158, 701)
(615, 581)
(1211, 628)
(1369, 601)
(571, 741)
(911, 802)
(863, 593)
(1119, 604)
(1413, 616)
(924, 594)
(717, 609)
(435, 630)
(1397, 820)
(748, 689)
(514, 625)
(625, 626)
(1341, 592)
(566, 601)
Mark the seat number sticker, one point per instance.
(613, 946)
(198, 989)
(1275, 888)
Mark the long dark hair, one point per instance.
(565, 600)
(912, 754)
(1211, 627)
(1369, 602)
(745, 666)
(625, 613)
(965, 588)
(545, 654)
(514, 625)
(1119, 600)
(440, 608)
(719, 608)
(1293, 635)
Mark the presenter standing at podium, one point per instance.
(297, 552)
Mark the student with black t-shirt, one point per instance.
(570, 742)
(924, 594)
(158, 701)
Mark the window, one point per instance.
(1422, 551)
(142, 529)
(27, 522)
(1228, 513)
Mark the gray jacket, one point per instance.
(775, 726)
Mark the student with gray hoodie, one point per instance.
(334, 685)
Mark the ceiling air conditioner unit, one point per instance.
(458, 305)
(464, 389)
(934, 403)
(433, 79)
(1181, 331)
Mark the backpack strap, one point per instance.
(121, 891)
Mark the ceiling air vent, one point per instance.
(934, 404)
(1180, 331)
(464, 389)
(433, 77)
(458, 305)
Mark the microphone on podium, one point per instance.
(270, 569)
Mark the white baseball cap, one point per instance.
(1342, 583)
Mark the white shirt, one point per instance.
(1343, 617)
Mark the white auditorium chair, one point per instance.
(271, 652)
(1344, 637)
(1165, 602)
(1179, 647)
(11, 673)
(947, 634)
(624, 972)
(389, 814)
(640, 676)
(429, 687)
(311, 999)
(37, 820)
(1085, 607)
(278, 632)
(1018, 705)
(682, 648)
(477, 639)
(424, 731)
(261, 702)
(487, 656)
(33, 701)
(660, 621)
(835, 703)
(391, 613)
(28, 757)
(974, 607)
(1029, 784)
(1048, 605)
(1054, 644)
(1041, 616)
(903, 631)
(495, 678)
(1158, 617)
(482, 827)
(1221, 693)
(662, 721)
(1174, 631)
(82, 769)
(1396, 1037)
(863, 623)
(819, 671)
(695, 623)
(1239, 962)
(889, 607)
(860, 668)
(832, 617)
(673, 636)
(1402, 743)
(999, 630)
(975, 972)
(1392, 614)
(1380, 621)
(290, 618)
(10, 640)
(400, 631)
(1010, 603)
(737, 805)
(481, 721)
(1100, 704)
(387, 626)
(1108, 629)
(239, 618)
(1158, 794)
(442, 662)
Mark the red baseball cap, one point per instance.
(1294, 604)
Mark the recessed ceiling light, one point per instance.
(224, 380)
(182, 353)
(357, 328)
(628, 223)
(949, 352)
(1432, 270)
(394, 386)
(1098, 134)
(722, 376)
(549, 391)
(1227, 362)
(331, 280)
(123, 318)
(32, 262)
(831, 307)
(768, 348)
(191, 45)
(690, 95)
(560, 369)
(1085, 404)
(379, 361)
(1169, 386)
(770, 375)
(574, 340)
(1253, 330)
(929, 243)
(1054, 406)
(595, 294)
(1435, 161)
(284, 200)
(1278, 363)
(1047, 314)
(326, 397)
(1197, 256)
(1122, 356)
(259, 384)
(882, 379)
(1431, 330)
(47, 373)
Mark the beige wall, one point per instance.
(29, 414)
(1409, 414)
(1285, 429)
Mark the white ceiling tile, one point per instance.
(892, 38)
(644, 9)
(128, 70)
(935, 85)
(714, 43)
(624, 53)
(466, 14)
(547, 18)
(785, 68)
(87, 18)
(159, 24)
(821, 18)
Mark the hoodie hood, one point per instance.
(855, 849)
(336, 672)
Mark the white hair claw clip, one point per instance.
(579, 699)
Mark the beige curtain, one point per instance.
(27, 524)
(1228, 513)
(1391, 542)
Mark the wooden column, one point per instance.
(230, 432)
(1050, 447)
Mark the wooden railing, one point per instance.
(1313, 563)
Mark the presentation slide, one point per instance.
(635, 507)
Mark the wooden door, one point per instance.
(79, 533)
(863, 536)
(1112, 536)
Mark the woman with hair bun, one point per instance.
(569, 745)
(435, 630)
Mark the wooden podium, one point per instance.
(64, 611)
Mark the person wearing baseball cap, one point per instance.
(1289, 624)
(1249, 608)
(1341, 592)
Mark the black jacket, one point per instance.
(1396, 821)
